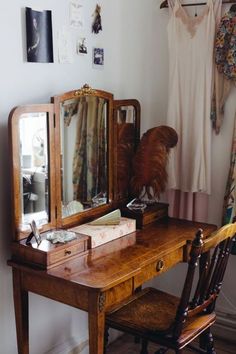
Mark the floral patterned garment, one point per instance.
(225, 46)
(229, 212)
(225, 57)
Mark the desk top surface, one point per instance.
(107, 265)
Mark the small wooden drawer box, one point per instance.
(150, 214)
(48, 255)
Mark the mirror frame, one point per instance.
(14, 140)
(54, 160)
(91, 213)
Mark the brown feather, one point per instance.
(150, 160)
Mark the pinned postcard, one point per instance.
(76, 14)
(65, 53)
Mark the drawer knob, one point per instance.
(67, 253)
(160, 265)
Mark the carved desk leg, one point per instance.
(21, 313)
(96, 322)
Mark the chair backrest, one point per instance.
(213, 254)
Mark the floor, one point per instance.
(125, 345)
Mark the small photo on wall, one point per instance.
(98, 57)
(39, 36)
(81, 46)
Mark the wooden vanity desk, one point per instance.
(105, 276)
(65, 189)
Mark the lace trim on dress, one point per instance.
(191, 22)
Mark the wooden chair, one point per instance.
(174, 322)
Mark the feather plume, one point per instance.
(150, 161)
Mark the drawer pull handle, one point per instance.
(67, 253)
(160, 265)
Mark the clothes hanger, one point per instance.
(165, 4)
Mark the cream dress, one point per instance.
(191, 43)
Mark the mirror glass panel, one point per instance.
(127, 119)
(84, 153)
(33, 149)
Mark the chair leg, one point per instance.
(144, 347)
(210, 343)
(161, 351)
(207, 342)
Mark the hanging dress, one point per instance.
(229, 208)
(191, 43)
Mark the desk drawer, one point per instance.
(158, 266)
(118, 293)
(65, 253)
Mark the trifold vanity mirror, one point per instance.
(71, 163)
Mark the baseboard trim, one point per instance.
(225, 327)
(70, 346)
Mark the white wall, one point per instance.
(136, 66)
(51, 324)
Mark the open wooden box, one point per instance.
(47, 254)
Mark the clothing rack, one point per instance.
(165, 3)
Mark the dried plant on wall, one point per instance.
(97, 22)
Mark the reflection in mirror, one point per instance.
(126, 140)
(34, 168)
(83, 153)
(127, 136)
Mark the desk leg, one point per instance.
(96, 323)
(21, 313)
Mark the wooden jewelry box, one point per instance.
(47, 254)
(150, 214)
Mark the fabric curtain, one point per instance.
(89, 163)
(90, 152)
(187, 205)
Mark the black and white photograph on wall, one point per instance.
(98, 57)
(81, 46)
(39, 36)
